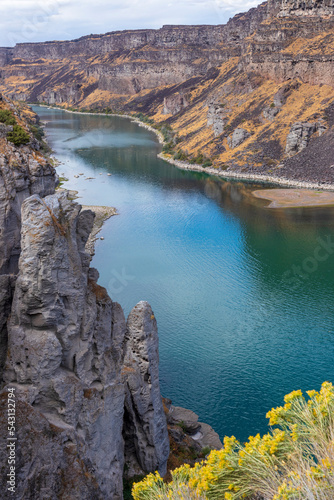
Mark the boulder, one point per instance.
(187, 421)
(299, 137)
(238, 137)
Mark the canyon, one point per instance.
(255, 95)
(88, 411)
(85, 379)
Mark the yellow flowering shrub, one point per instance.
(293, 461)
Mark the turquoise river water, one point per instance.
(243, 294)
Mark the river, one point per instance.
(243, 294)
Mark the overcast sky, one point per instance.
(41, 20)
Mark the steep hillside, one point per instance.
(255, 95)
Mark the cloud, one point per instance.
(41, 20)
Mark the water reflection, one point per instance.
(235, 333)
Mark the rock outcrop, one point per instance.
(175, 103)
(238, 137)
(216, 118)
(22, 173)
(306, 8)
(184, 422)
(145, 428)
(300, 136)
(63, 345)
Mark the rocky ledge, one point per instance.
(183, 423)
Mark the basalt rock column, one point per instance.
(65, 356)
(145, 426)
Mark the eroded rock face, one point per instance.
(21, 175)
(6, 293)
(216, 117)
(145, 426)
(174, 104)
(65, 345)
(48, 462)
(23, 172)
(306, 8)
(280, 98)
(300, 136)
(65, 359)
(135, 60)
(238, 137)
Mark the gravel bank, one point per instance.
(101, 215)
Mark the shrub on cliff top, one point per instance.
(7, 117)
(294, 461)
(19, 136)
(37, 131)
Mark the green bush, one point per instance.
(166, 131)
(37, 131)
(168, 148)
(7, 117)
(143, 118)
(207, 163)
(180, 155)
(19, 136)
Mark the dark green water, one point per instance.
(243, 294)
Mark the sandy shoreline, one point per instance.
(224, 174)
(284, 198)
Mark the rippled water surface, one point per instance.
(243, 294)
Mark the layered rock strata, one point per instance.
(265, 72)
